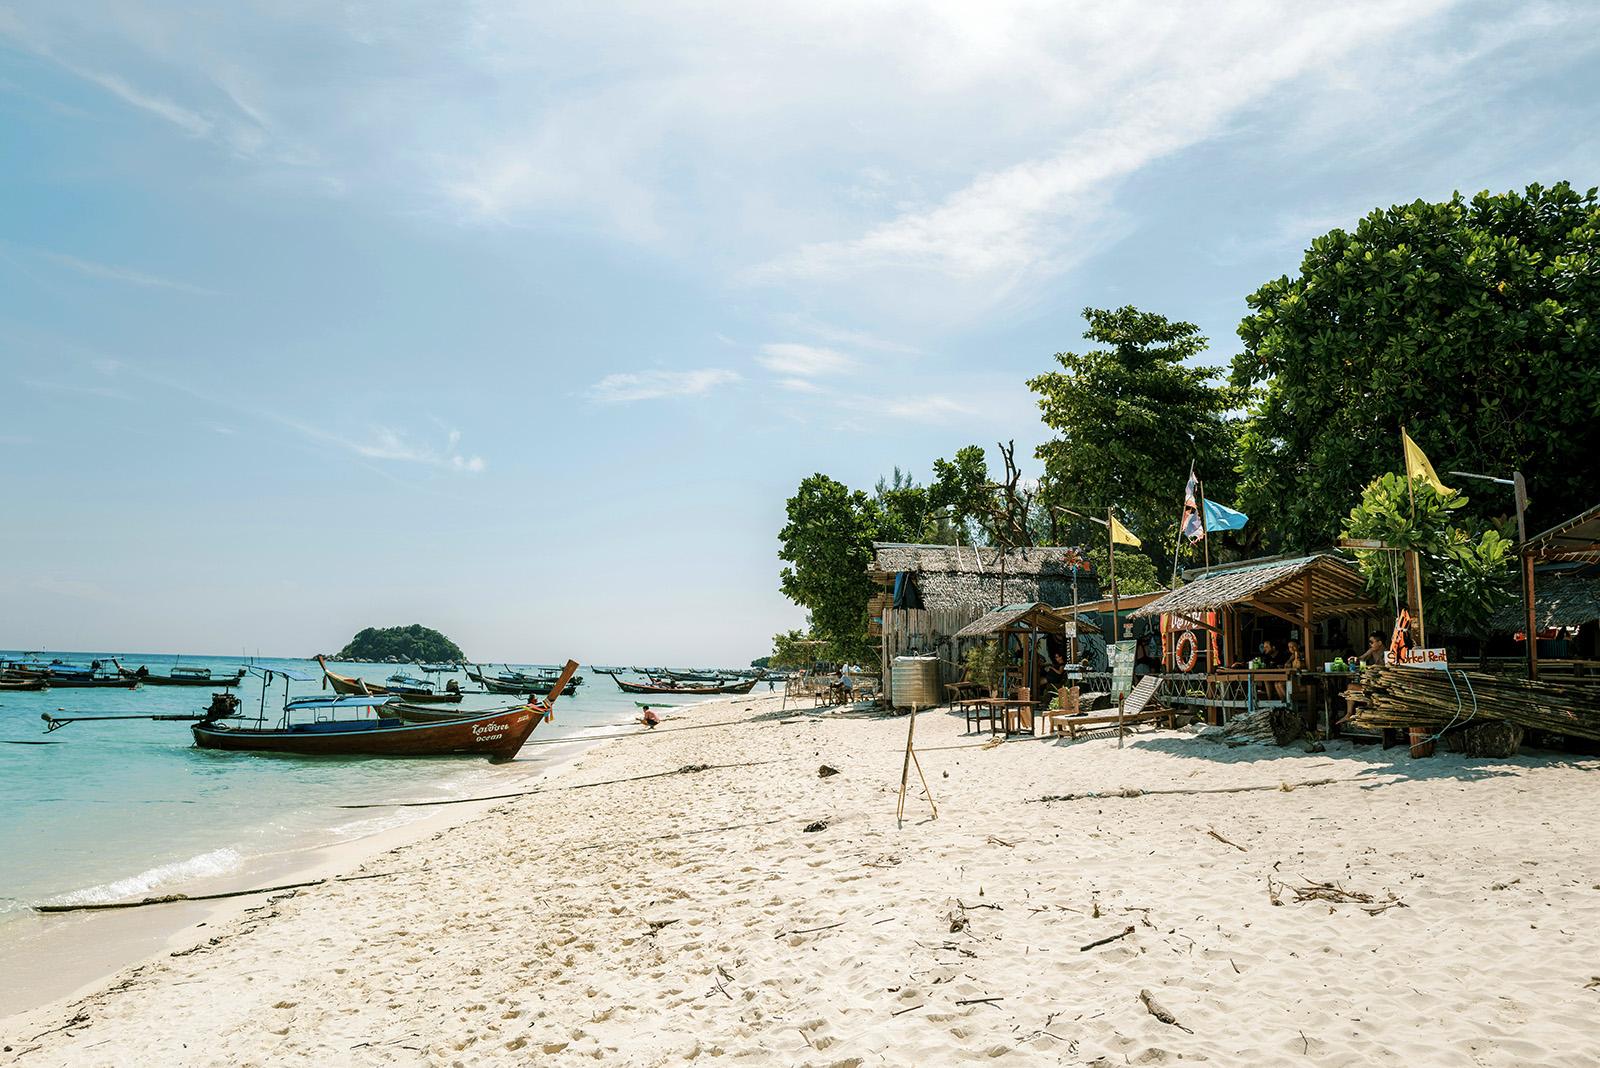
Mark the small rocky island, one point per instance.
(405, 644)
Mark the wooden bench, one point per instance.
(1071, 725)
(1070, 718)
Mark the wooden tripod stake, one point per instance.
(905, 774)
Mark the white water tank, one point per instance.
(915, 682)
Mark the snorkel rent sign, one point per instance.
(1424, 658)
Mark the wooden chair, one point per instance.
(1054, 719)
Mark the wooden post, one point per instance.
(1530, 622)
(1520, 488)
(1414, 595)
(1305, 624)
(905, 774)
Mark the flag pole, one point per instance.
(1177, 542)
(1111, 559)
(1412, 560)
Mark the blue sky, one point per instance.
(522, 321)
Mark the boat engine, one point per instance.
(223, 706)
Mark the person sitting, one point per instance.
(1374, 654)
(649, 718)
(1296, 660)
(1148, 659)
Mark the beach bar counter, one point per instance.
(1214, 627)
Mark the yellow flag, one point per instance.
(1120, 535)
(1417, 465)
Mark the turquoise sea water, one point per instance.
(112, 810)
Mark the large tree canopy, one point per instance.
(1129, 419)
(1474, 324)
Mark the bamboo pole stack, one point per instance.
(1419, 697)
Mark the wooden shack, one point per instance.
(930, 592)
(1319, 600)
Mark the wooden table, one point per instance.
(1327, 683)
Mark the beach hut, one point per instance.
(930, 592)
(1213, 627)
(1576, 540)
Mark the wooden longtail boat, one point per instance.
(361, 687)
(496, 734)
(24, 684)
(427, 713)
(185, 676)
(84, 682)
(668, 686)
(518, 683)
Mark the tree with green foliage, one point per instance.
(1135, 573)
(1475, 324)
(827, 545)
(415, 643)
(791, 649)
(904, 510)
(961, 489)
(1129, 418)
(1466, 566)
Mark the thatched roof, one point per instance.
(1337, 589)
(1558, 601)
(1038, 616)
(961, 576)
(1576, 539)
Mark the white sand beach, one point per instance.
(708, 917)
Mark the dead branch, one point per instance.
(1111, 938)
(1155, 1009)
(1212, 831)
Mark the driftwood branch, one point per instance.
(685, 770)
(1104, 941)
(809, 930)
(1212, 831)
(1154, 1008)
(1284, 787)
(168, 899)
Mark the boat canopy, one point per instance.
(359, 701)
(284, 673)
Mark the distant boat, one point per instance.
(517, 682)
(184, 675)
(413, 690)
(100, 673)
(24, 684)
(437, 669)
(666, 686)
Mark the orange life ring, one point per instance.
(1187, 651)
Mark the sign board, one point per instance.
(1122, 655)
(1423, 658)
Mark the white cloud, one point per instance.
(629, 386)
(123, 274)
(930, 175)
(929, 409)
(803, 361)
(389, 444)
(799, 385)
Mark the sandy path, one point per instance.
(648, 922)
